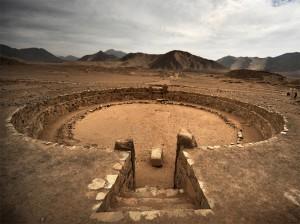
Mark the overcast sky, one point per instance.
(208, 28)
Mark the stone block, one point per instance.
(96, 206)
(157, 157)
(97, 184)
(240, 134)
(186, 139)
(135, 215)
(108, 217)
(117, 166)
(100, 196)
(111, 179)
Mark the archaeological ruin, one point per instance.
(141, 183)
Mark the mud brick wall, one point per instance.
(33, 118)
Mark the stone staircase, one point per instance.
(151, 198)
(152, 204)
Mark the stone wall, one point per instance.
(260, 118)
(123, 182)
(33, 118)
(185, 179)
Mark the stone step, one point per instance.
(141, 204)
(135, 201)
(172, 215)
(154, 207)
(149, 192)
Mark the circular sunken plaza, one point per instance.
(229, 155)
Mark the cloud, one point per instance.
(277, 3)
(208, 28)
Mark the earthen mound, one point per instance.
(254, 75)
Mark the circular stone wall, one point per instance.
(227, 117)
(34, 119)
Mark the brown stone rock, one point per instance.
(96, 206)
(186, 139)
(111, 179)
(117, 166)
(150, 215)
(106, 217)
(135, 215)
(96, 184)
(100, 196)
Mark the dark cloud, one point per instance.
(34, 7)
(207, 28)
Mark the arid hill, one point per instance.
(10, 61)
(251, 63)
(173, 60)
(29, 54)
(99, 56)
(181, 60)
(116, 53)
(284, 63)
(289, 62)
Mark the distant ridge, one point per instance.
(288, 62)
(99, 56)
(68, 58)
(29, 54)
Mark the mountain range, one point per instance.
(29, 54)
(289, 62)
(173, 60)
(110, 54)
